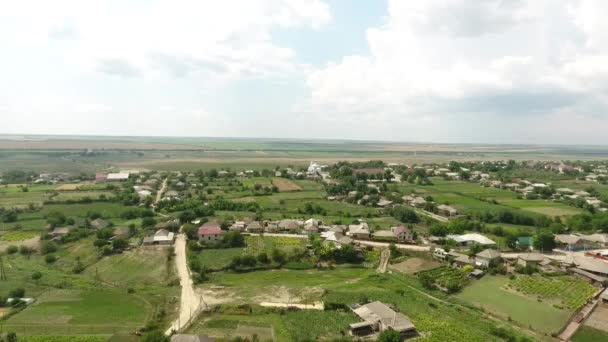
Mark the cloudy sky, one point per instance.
(498, 71)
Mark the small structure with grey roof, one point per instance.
(530, 259)
(487, 257)
(378, 317)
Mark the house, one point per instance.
(117, 177)
(210, 231)
(582, 193)
(601, 240)
(289, 225)
(418, 202)
(99, 223)
(384, 203)
(461, 260)
(524, 243)
(101, 177)
(530, 259)
(144, 193)
(594, 202)
(191, 338)
(486, 257)
(238, 226)
(359, 231)
(60, 232)
(564, 191)
(468, 239)
(446, 210)
(255, 227)
(569, 242)
(171, 194)
(314, 169)
(272, 227)
(377, 317)
(604, 296)
(591, 264)
(121, 233)
(163, 237)
(403, 233)
(369, 171)
(512, 186)
(311, 226)
(476, 273)
(337, 228)
(384, 235)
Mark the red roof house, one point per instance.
(210, 231)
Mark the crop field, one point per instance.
(489, 294)
(18, 235)
(285, 185)
(106, 209)
(140, 267)
(218, 258)
(258, 244)
(446, 276)
(58, 311)
(566, 290)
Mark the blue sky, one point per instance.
(497, 71)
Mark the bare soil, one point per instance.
(414, 265)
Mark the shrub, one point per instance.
(48, 247)
(50, 258)
(36, 275)
(17, 293)
(12, 249)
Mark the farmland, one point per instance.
(565, 290)
(447, 277)
(489, 293)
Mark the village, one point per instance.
(448, 227)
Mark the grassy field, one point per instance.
(588, 334)
(346, 286)
(488, 293)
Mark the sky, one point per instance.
(450, 71)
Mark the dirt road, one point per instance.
(398, 245)
(160, 192)
(385, 256)
(191, 302)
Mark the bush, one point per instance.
(17, 293)
(36, 275)
(25, 250)
(12, 249)
(50, 258)
(48, 247)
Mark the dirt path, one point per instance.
(162, 190)
(433, 216)
(398, 245)
(385, 256)
(191, 302)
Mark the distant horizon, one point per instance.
(297, 139)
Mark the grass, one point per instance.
(588, 334)
(138, 267)
(489, 294)
(258, 244)
(218, 258)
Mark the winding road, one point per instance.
(191, 302)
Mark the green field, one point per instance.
(488, 293)
(588, 334)
(80, 312)
(566, 291)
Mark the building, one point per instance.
(288, 225)
(530, 259)
(359, 231)
(487, 257)
(524, 243)
(446, 210)
(384, 203)
(117, 177)
(163, 237)
(61, 232)
(101, 177)
(377, 317)
(468, 239)
(99, 223)
(569, 242)
(255, 227)
(384, 235)
(403, 233)
(238, 226)
(210, 231)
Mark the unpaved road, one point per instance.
(385, 256)
(398, 245)
(162, 190)
(190, 302)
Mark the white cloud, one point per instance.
(131, 38)
(444, 59)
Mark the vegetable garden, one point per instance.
(571, 292)
(447, 277)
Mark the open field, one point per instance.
(285, 185)
(488, 293)
(414, 265)
(588, 334)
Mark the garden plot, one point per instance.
(562, 291)
(285, 185)
(447, 277)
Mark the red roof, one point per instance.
(101, 176)
(210, 228)
(399, 230)
(369, 171)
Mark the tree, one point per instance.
(389, 335)
(405, 215)
(50, 258)
(278, 256)
(427, 281)
(148, 222)
(119, 244)
(544, 241)
(263, 258)
(17, 293)
(48, 247)
(155, 336)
